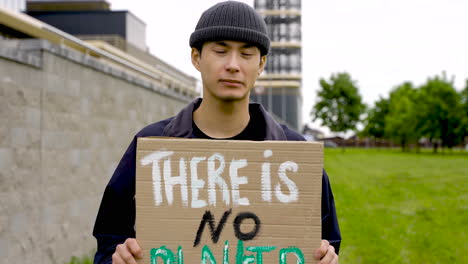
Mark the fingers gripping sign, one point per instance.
(127, 253)
(326, 253)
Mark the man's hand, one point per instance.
(326, 253)
(127, 252)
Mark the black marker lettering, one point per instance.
(238, 221)
(208, 217)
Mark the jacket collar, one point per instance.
(181, 124)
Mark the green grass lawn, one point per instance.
(396, 207)
(81, 260)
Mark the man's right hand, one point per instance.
(127, 252)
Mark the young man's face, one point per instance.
(229, 69)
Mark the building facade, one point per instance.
(17, 5)
(279, 88)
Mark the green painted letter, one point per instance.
(164, 253)
(284, 251)
(240, 258)
(259, 251)
(180, 255)
(206, 253)
(226, 253)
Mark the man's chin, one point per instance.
(232, 97)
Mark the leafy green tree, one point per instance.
(440, 112)
(375, 121)
(463, 130)
(339, 105)
(464, 98)
(401, 120)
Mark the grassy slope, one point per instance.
(396, 207)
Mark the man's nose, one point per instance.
(232, 64)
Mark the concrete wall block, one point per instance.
(12, 116)
(33, 255)
(28, 159)
(13, 251)
(95, 109)
(9, 199)
(14, 201)
(61, 179)
(5, 81)
(97, 140)
(73, 87)
(5, 137)
(53, 83)
(21, 180)
(85, 141)
(18, 223)
(50, 221)
(33, 117)
(59, 189)
(95, 85)
(32, 95)
(3, 228)
(132, 114)
(6, 159)
(4, 247)
(74, 158)
(61, 121)
(54, 102)
(120, 97)
(14, 92)
(55, 159)
(59, 232)
(25, 137)
(24, 236)
(61, 139)
(105, 110)
(5, 179)
(108, 94)
(17, 94)
(85, 109)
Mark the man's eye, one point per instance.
(247, 54)
(220, 51)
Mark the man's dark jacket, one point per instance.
(116, 217)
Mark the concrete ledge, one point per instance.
(21, 56)
(29, 52)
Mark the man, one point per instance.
(229, 48)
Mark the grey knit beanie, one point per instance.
(231, 20)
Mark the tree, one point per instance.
(339, 104)
(375, 121)
(401, 120)
(440, 112)
(463, 130)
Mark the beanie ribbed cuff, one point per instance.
(231, 33)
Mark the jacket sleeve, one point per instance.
(330, 227)
(116, 216)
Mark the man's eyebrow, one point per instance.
(248, 45)
(221, 43)
(245, 46)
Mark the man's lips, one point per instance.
(231, 82)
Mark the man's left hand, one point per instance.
(326, 253)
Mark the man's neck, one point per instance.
(222, 119)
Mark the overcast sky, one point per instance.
(381, 43)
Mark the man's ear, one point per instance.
(196, 56)
(263, 61)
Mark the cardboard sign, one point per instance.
(219, 201)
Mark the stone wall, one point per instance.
(66, 119)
